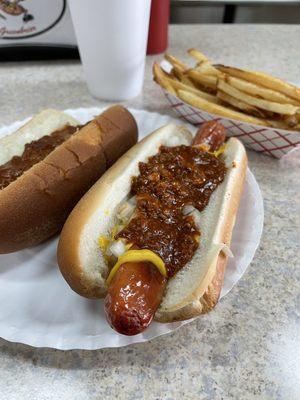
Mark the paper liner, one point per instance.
(270, 141)
(39, 309)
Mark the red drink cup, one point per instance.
(158, 27)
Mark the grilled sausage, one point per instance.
(211, 133)
(133, 297)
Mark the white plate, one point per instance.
(39, 309)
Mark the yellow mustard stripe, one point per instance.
(220, 151)
(136, 256)
(103, 242)
(205, 147)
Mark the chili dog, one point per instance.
(136, 291)
(167, 210)
(48, 164)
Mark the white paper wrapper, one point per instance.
(38, 307)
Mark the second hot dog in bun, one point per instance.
(153, 234)
(48, 164)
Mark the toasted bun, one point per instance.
(193, 290)
(35, 206)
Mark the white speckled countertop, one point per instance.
(249, 346)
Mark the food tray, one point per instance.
(270, 141)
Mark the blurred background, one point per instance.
(236, 11)
(35, 30)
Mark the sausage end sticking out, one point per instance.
(133, 297)
(211, 133)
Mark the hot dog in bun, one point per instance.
(48, 164)
(152, 235)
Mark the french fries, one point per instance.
(279, 108)
(240, 94)
(239, 104)
(206, 68)
(165, 81)
(204, 80)
(212, 108)
(262, 79)
(264, 93)
(198, 55)
(175, 62)
(181, 76)
(291, 120)
(160, 78)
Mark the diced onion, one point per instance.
(126, 209)
(193, 212)
(116, 248)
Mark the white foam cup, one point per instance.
(112, 39)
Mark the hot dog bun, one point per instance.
(36, 204)
(196, 288)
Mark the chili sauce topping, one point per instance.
(170, 180)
